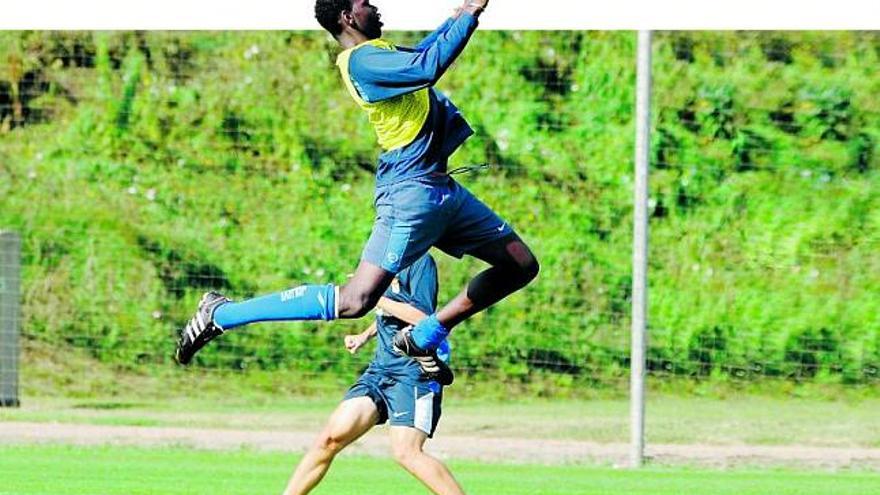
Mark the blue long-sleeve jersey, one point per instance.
(418, 126)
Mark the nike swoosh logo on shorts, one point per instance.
(399, 414)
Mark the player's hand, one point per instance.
(354, 342)
(473, 5)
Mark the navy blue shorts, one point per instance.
(413, 215)
(416, 405)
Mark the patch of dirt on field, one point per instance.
(514, 450)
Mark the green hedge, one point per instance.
(143, 168)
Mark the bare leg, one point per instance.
(348, 422)
(407, 444)
(513, 267)
(363, 290)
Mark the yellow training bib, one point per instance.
(397, 121)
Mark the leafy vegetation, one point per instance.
(143, 168)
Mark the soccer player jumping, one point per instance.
(418, 205)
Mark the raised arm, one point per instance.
(381, 74)
(431, 38)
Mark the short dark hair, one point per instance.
(327, 13)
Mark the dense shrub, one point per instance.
(143, 168)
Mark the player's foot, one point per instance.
(404, 345)
(436, 369)
(201, 329)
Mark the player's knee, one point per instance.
(405, 455)
(524, 266)
(524, 273)
(329, 444)
(530, 270)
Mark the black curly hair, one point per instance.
(327, 13)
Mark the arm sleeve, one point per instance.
(382, 74)
(431, 38)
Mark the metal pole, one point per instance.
(640, 252)
(10, 282)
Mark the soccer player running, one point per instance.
(396, 389)
(418, 205)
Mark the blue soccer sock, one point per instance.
(444, 351)
(429, 333)
(306, 302)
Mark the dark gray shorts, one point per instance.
(401, 404)
(413, 215)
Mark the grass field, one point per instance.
(63, 470)
(674, 420)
